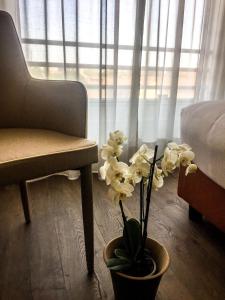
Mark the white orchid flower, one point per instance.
(179, 148)
(103, 170)
(133, 175)
(116, 171)
(157, 181)
(144, 153)
(169, 161)
(186, 157)
(130, 177)
(192, 168)
(167, 167)
(123, 178)
(184, 147)
(171, 155)
(116, 138)
(140, 168)
(109, 151)
(120, 190)
(134, 157)
(173, 146)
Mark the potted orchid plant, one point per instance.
(136, 261)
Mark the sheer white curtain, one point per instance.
(211, 70)
(141, 61)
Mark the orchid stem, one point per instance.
(141, 203)
(148, 198)
(122, 211)
(124, 223)
(158, 159)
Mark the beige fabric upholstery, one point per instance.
(26, 102)
(203, 127)
(42, 122)
(29, 153)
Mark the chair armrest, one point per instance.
(56, 105)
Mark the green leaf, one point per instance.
(119, 264)
(112, 262)
(121, 253)
(120, 268)
(132, 237)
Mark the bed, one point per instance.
(203, 127)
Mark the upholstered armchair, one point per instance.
(42, 128)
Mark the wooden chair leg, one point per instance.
(194, 215)
(87, 209)
(24, 199)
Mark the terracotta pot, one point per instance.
(138, 288)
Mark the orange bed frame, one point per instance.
(205, 197)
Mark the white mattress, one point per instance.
(203, 128)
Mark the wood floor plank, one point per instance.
(71, 240)
(14, 263)
(46, 273)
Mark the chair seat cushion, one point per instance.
(203, 127)
(30, 153)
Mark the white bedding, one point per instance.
(203, 128)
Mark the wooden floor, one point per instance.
(46, 260)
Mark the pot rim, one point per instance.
(147, 277)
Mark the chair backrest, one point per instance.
(13, 73)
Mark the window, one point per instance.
(66, 39)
